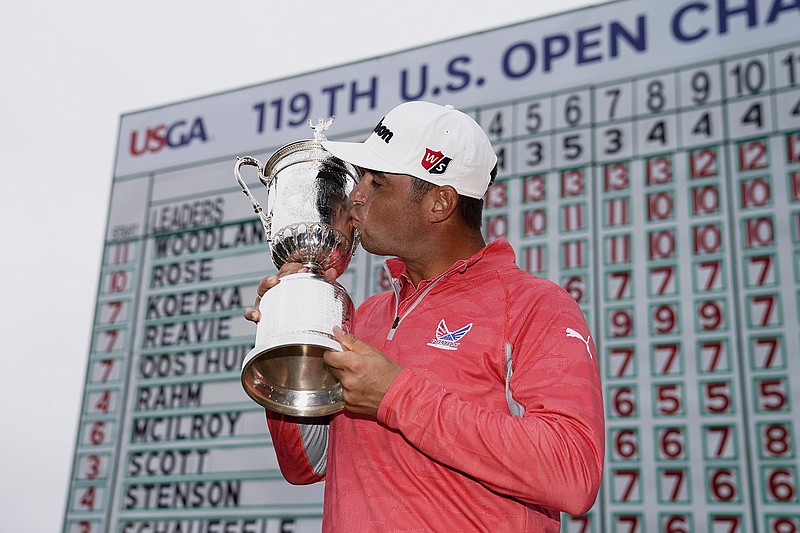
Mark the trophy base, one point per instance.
(288, 376)
(285, 371)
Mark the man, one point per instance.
(472, 391)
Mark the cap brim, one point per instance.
(360, 155)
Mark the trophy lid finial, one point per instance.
(320, 127)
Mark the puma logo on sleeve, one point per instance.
(572, 333)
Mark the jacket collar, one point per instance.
(499, 249)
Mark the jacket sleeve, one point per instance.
(550, 452)
(301, 446)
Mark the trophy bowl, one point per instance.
(307, 222)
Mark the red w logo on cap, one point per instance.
(434, 161)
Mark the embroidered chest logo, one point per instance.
(446, 339)
(572, 333)
(435, 162)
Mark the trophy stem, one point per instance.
(315, 268)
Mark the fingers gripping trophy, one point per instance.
(307, 221)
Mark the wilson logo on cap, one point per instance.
(383, 132)
(435, 162)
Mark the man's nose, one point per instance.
(357, 194)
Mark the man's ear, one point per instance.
(443, 201)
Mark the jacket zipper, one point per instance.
(396, 287)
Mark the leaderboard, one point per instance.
(649, 163)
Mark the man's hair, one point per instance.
(469, 209)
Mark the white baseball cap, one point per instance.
(438, 144)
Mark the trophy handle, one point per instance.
(266, 220)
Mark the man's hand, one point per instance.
(267, 282)
(365, 373)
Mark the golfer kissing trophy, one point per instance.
(308, 222)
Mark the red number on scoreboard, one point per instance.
(759, 232)
(764, 310)
(659, 170)
(703, 163)
(717, 397)
(627, 524)
(626, 445)
(87, 498)
(496, 226)
(663, 280)
(676, 524)
(572, 183)
(793, 147)
(784, 524)
(705, 200)
(583, 523)
(753, 155)
(496, 195)
(660, 206)
(112, 335)
(623, 402)
(719, 442)
(709, 277)
(576, 287)
(711, 315)
(729, 523)
(621, 323)
(94, 467)
(760, 270)
(624, 368)
(712, 355)
(97, 433)
(756, 192)
(117, 281)
(534, 189)
(723, 485)
(665, 319)
(781, 484)
(772, 395)
(108, 365)
(616, 177)
(668, 399)
(668, 357)
(534, 222)
(103, 403)
(116, 309)
(674, 479)
(626, 482)
(661, 244)
(671, 443)
(776, 441)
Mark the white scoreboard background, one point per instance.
(649, 162)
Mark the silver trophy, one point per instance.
(308, 222)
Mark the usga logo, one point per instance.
(177, 134)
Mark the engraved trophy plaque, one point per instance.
(308, 222)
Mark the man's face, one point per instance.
(384, 212)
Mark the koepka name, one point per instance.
(188, 303)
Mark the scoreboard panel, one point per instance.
(649, 162)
